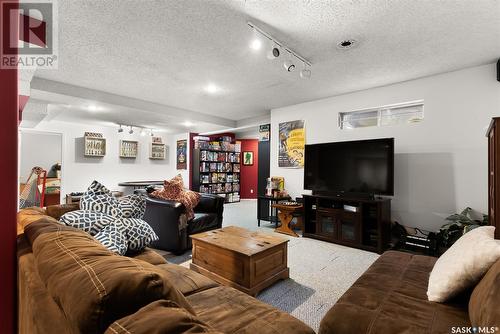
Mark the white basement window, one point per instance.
(401, 113)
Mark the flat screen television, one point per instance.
(362, 167)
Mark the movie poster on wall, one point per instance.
(264, 131)
(292, 140)
(182, 154)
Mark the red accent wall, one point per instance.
(9, 117)
(248, 175)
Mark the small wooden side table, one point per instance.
(286, 214)
(264, 203)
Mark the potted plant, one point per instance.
(459, 224)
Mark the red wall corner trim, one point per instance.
(23, 99)
(9, 117)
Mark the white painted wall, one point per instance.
(79, 171)
(440, 163)
(41, 149)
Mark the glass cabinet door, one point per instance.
(349, 228)
(327, 225)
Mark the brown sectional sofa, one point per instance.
(69, 283)
(60, 269)
(390, 297)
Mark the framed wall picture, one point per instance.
(264, 131)
(128, 148)
(292, 141)
(181, 154)
(157, 151)
(95, 144)
(247, 158)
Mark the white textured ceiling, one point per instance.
(167, 51)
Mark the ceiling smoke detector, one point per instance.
(346, 44)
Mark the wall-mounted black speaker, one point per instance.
(498, 70)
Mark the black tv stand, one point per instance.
(351, 221)
(341, 195)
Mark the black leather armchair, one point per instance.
(164, 216)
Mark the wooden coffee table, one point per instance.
(245, 260)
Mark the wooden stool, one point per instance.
(285, 214)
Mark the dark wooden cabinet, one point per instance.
(360, 223)
(493, 135)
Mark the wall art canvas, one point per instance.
(247, 158)
(292, 142)
(182, 154)
(264, 132)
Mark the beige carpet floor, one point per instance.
(320, 272)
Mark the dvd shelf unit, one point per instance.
(216, 169)
(360, 223)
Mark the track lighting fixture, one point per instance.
(273, 53)
(288, 64)
(142, 132)
(277, 49)
(305, 73)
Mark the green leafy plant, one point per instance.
(459, 224)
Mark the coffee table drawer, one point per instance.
(219, 261)
(268, 263)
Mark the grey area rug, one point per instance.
(320, 273)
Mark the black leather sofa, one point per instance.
(165, 218)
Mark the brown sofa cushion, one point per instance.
(185, 280)
(390, 297)
(38, 312)
(231, 311)
(158, 318)
(45, 224)
(483, 304)
(93, 286)
(150, 256)
(56, 211)
(28, 216)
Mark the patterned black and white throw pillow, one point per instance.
(91, 222)
(113, 237)
(99, 198)
(132, 206)
(139, 233)
(115, 223)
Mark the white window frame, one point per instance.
(379, 111)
